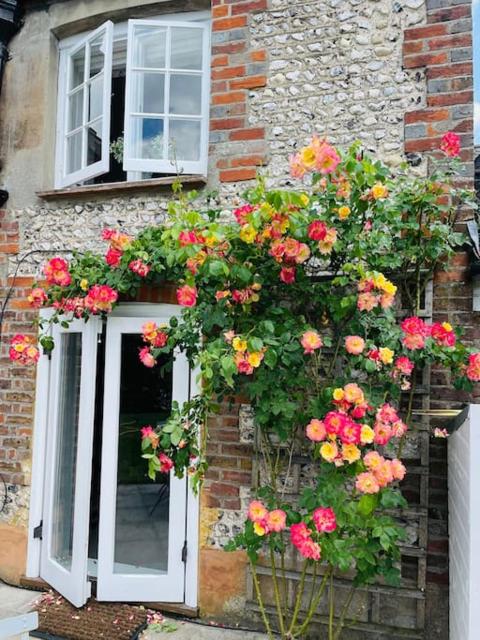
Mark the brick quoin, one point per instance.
(448, 107)
(237, 71)
(17, 385)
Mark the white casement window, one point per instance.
(133, 101)
(84, 86)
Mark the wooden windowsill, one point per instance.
(121, 187)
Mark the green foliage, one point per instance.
(261, 282)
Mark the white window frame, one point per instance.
(62, 178)
(120, 32)
(130, 163)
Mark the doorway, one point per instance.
(104, 521)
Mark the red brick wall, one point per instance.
(443, 47)
(237, 69)
(17, 384)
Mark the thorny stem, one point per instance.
(277, 592)
(260, 601)
(330, 609)
(345, 609)
(313, 606)
(298, 599)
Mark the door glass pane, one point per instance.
(184, 141)
(185, 94)
(74, 152)
(148, 92)
(147, 138)
(149, 47)
(61, 544)
(77, 69)
(142, 506)
(186, 48)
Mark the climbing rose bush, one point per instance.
(308, 303)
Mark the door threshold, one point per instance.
(34, 583)
(177, 608)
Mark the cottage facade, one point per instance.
(218, 90)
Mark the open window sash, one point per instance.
(84, 90)
(167, 97)
(70, 421)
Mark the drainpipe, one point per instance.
(9, 24)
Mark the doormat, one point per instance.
(60, 620)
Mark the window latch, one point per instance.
(38, 531)
(184, 552)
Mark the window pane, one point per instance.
(74, 152)
(185, 94)
(142, 506)
(97, 56)
(186, 48)
(149, 47)
(77, 68)
(75, 110)
(184, 140)
(95, 102)
(66, 449)
(147, 138)
(148, 92)
(94, 142)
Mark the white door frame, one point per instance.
(71, 582)
(143, 310)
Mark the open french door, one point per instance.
(142, 524)
(71, 400)
(132, 539)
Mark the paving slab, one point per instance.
(15, 601)
(195, 631)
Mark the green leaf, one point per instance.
(270, 358)
(255, 344)
(367, 504)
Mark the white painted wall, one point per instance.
(464, 528)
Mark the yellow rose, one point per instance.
(239, 345)
(255, 358)
(367, 434)
(379, 191)
(390, 288)
(379, 280)
(386, 355)
(308, 158)
(344, 212)
(83, 284)
(338, 394)
(329, 451)
(211, 241)
(248, 233)
(447, 326)
(305, 199)
(259, 530)
(350, 453)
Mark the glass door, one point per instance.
(142, 523)
(63, 562)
